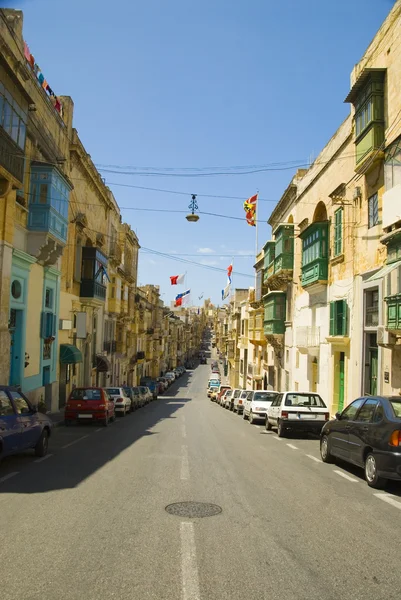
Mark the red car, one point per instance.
(89, 404)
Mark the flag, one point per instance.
(226, 292)
(177, 279)
(183, 298)
(250, 210)
(229, 271)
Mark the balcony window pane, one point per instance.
(87, 268)
(43, 193)
(22, 135)
(14, 126)
(7, 117)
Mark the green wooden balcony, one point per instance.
(394, 312)
(275, 310)
(315, 254)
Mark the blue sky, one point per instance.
(182, 84)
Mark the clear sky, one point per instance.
(183, 84)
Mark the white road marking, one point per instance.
(184, 463)
(189, 569)
(184, 431)
(347, 477)
(292, 446)
(75, 441)
(3, 479)
(39, 460)
(389, 498)
(314, 458)
(100, 429)
(278, 439)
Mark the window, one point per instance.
(241, 366)
(338, 232)
(48, 325)
(43, 193)
(12, 117)
(49, 298)
(6, 408)
(379, 414)
(313, 400)
(338, 318)
(21, 405)
(396, 406)
(264, 396)
(367, 411)
(372, 308)
(392, 165)
(349, 413)
(373, 210)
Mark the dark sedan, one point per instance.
(368, 434)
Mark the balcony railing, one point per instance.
(92, 289)
(308, 337)
(140, 355)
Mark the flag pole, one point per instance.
(256, 221)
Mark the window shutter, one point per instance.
(43, 325)
(332, 318)
(344, 324)
(54, 325)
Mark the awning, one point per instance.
(69, 354)
(102, 363)
(385, 271)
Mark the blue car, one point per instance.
(21, 426)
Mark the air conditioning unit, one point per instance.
(384, 337)
(357, 193)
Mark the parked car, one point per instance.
(368, 434)
(142, 396)
(257, 403)
(151, 384)
(239, 401)
(170, 375)
(236, 394)
(226, 399)
(134, 396)
(89, 404)
(213, 386)
(203, 360)
(122, 402)
(298, 412)
(147, 394)
(21, 425)
(221, 392)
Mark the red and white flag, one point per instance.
(177, 279)
(250, 210)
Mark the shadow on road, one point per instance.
(70, 466)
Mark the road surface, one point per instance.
(89, 520)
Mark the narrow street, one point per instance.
(89, 521)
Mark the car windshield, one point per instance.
(113, 391)
(85, 394)
(311, 400)
(396, 406)
(264, 396)
(228, 393)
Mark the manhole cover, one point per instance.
(193, 510)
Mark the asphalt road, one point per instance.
(89, 521)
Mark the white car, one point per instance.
(122, 402)
(170, 375)
(257, 403)
(239, 401)
(236, 394)
(298, 412)
(225, 402)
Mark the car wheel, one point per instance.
(106, 420)
(280, 429)
(42, 444)
(325, 453)
(250, 418)
(268, 425)
(113, 418)
(371, 473)
(244, 416)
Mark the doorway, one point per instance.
(373, 360)
(315, 368)
(48, 387)
(15, 328)
(340, 380)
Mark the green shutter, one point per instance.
(54, 325)
(332, 318)
(338, 232)
(344, 328)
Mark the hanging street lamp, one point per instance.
(192, 217)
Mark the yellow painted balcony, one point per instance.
(256, 334)
(114, 305)
(124, 306)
